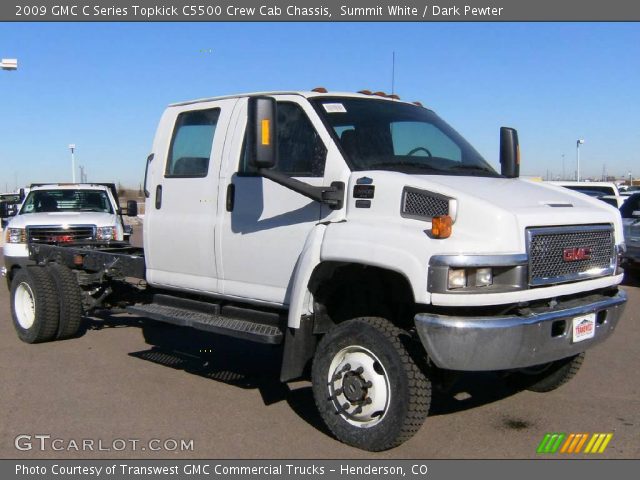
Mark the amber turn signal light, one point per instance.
(441, 226)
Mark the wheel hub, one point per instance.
(359, 386)
(354, 387)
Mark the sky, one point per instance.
(104, 86)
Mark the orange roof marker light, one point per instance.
(319, 90)
(380, 94)
(365, 92)
(418, 104)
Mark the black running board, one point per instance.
(210, 322)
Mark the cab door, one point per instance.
(265, 225)
(180, 221)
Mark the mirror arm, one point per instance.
(332, 195)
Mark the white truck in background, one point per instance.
(361, 233)
(63, 213)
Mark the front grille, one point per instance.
(58, 234)
(550, 251)
(423, 204)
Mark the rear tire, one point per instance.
(548, 377)
(34, 306)
(367, 387)
(70, 299)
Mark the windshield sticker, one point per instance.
(334, 108)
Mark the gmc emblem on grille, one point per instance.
(576, 254)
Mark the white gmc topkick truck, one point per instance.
(364, 235)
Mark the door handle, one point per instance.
(231, 196)
(158, 197)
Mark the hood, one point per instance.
(526, 198)
(99, 219)
(491, 214)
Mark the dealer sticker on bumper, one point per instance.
(584, 327)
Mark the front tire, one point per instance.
(367, 387)
(34, 306)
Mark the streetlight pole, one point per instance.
(563, 177)
(72, 147)
(579, 142)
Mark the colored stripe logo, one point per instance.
(574, 443)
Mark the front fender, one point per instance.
(380, 246)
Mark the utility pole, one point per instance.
(72, 147)
(563, 175)
(578, 143)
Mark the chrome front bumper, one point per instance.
(513, 341)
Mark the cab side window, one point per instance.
(301, 152)
(190, 148)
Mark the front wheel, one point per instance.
(367, 387)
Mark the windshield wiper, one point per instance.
(477, 168)
(404, 164)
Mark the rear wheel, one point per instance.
(367, 387)
(548, 377)
(34, 306)
(70, 299)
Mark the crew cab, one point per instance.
(63, 213)
(361, 233)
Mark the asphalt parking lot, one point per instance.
(123, 379)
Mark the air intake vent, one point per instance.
(423, 205)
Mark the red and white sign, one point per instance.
(584, 327)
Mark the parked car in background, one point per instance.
(630, 213)
(627, 191)
(11, 202)
(608, 191)
(64, 213)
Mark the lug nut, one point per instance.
(359, 370)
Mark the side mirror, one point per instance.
(132, 208)
(22, 195)
(509, 152)
(4, 209)
(262, 144)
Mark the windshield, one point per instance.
(67, 200)
(384, 135)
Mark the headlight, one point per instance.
(470, 277)
(457, 278)
(16, 235)
(484, 277)
(106, 233)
